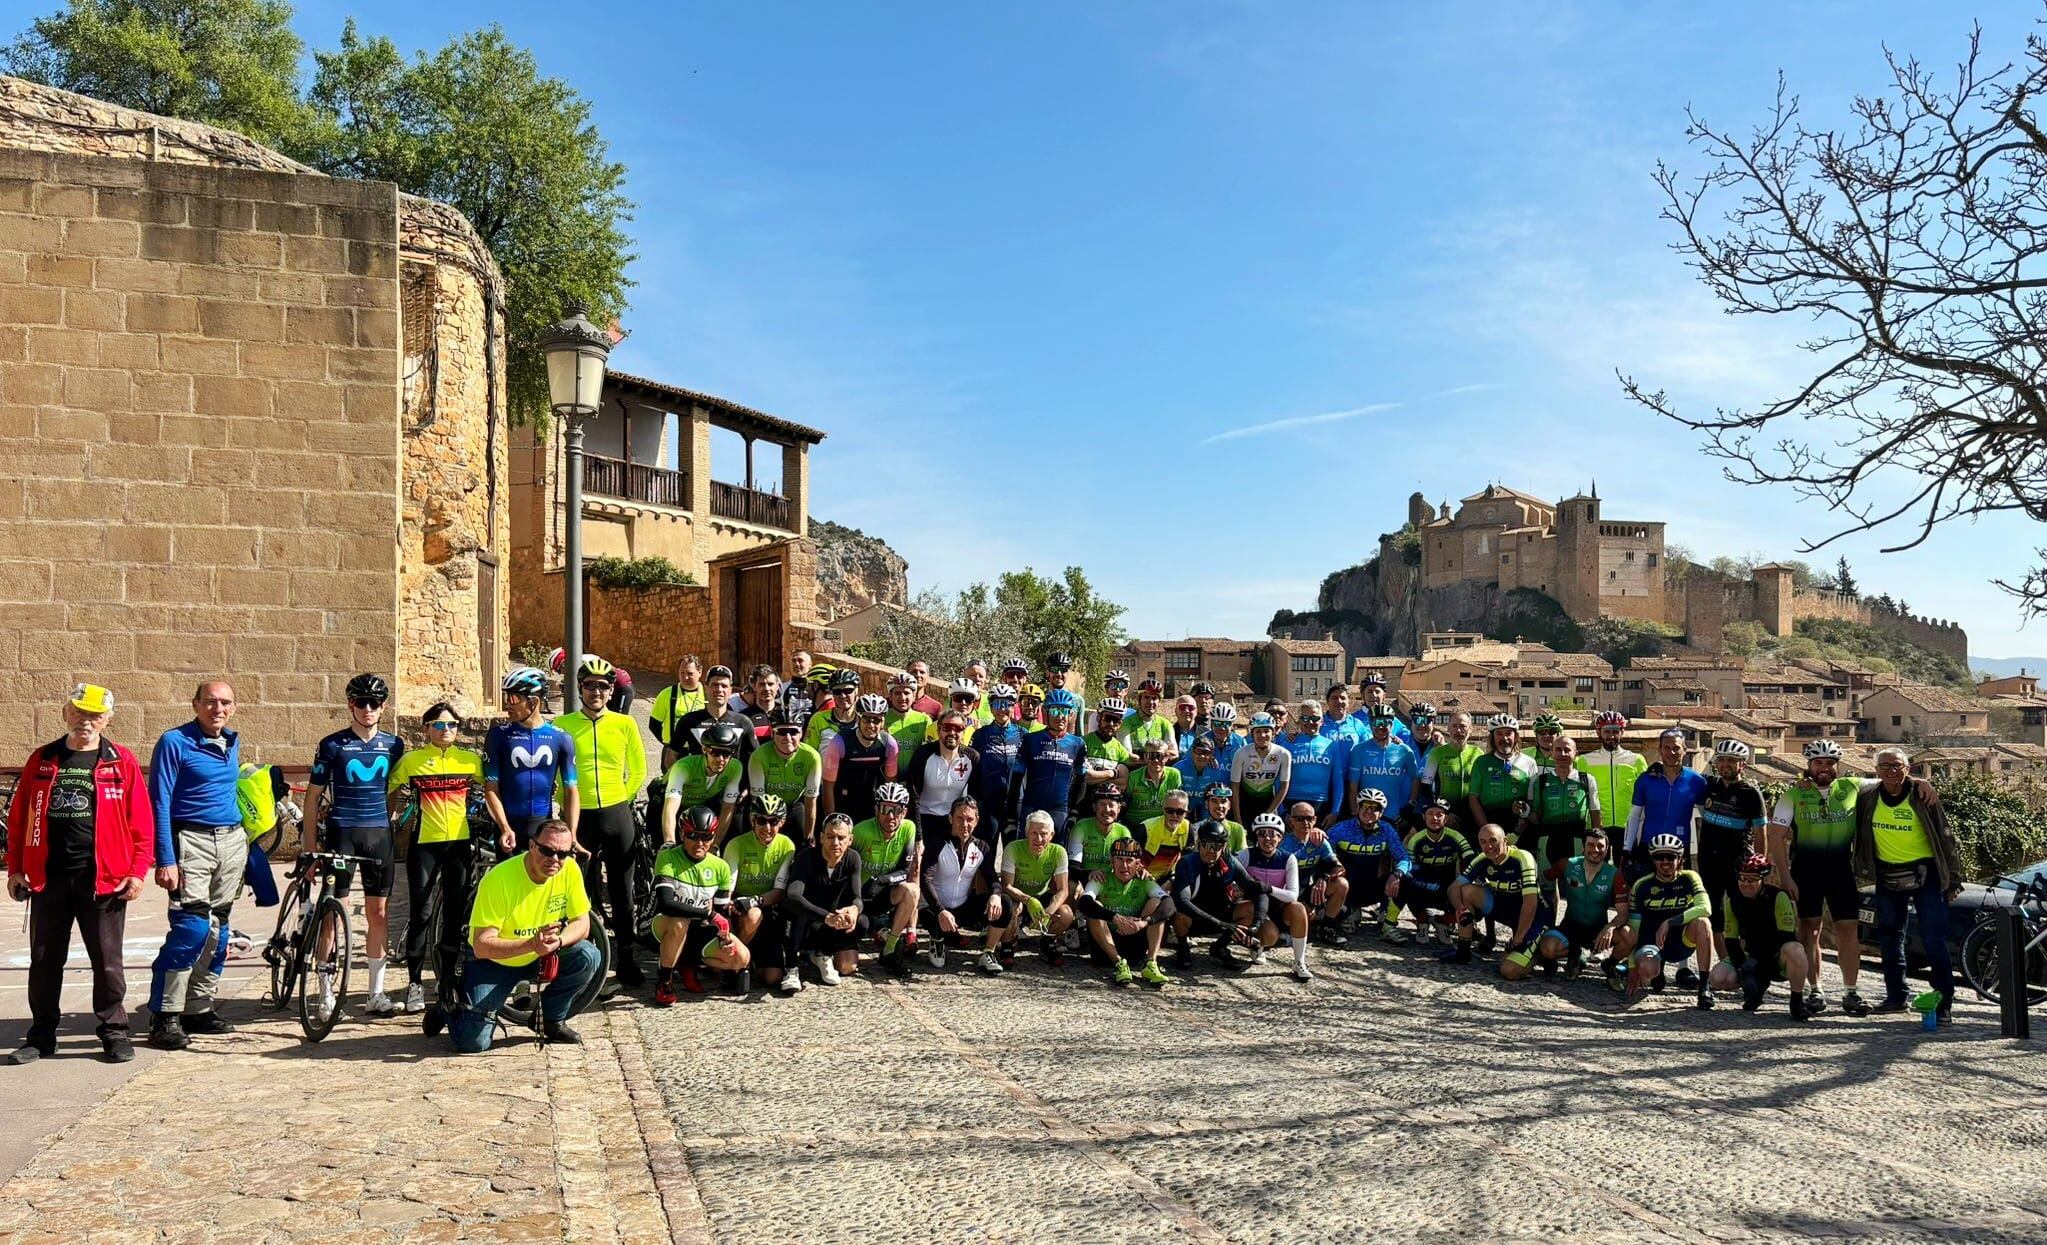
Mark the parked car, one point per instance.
(1975, 904)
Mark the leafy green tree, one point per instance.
(2000, 827)
(1025, 613)
(227, 63)
(477, 127)
(1062, 615)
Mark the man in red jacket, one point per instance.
(79, 843)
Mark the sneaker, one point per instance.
(327, 1002)
(380, 1004)
(791, 983)
(989, 964)
(435, 1020)
(1396, 935)
(827, 972)
(415, 999)
(1686, 978)
(688, 973)
(168, 1033)
(1460, 954)
(559, 1034)
(1815, 1002)
(1153, 975)
(1333, 935)
(1888, 1006)
(1752, 988)
(1257, 955)
(1121, 973)
(210, 1022)
(1300, 972)
(1070, 940)
(29, 1053)
(1006, 953)
(1055, 955)
(664, 992)
(1800, 1011)
(1852, 1003)
(116, 1048)
(1705, 999)
(935, 953)
(897, 965)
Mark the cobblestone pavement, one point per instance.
(374, 1136)
(1393, 1098)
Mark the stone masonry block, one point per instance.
(277, 217)
(131, 428)
(175, 504)
(154, 207)
(72, 499)
(93, 309)
(297, 551)
(157, 463)
(33, 234)
(167, 585)
(58, 199)
(31, 384)
(376, 329)
(193, 654)
(13, 343)
(161, 391)
(163, 313)
(348, 364)
(371, 403)
(63, 650)
(132, 543)
(13, 498)
(330, 437)
(23, 581)
(373, 259)
(266, 434)
(218, 211)
(241, 321)
(117, 239)
(17, 194)
(200, 356)
(253, 587)
(98, 389)
(52, 426)
(284, 362)
(215, 546)
(199, 430)
(326, 326)
(338, 589)
(368, 553)
(97, 580)
(13, 268)
(309, 401)
(322, 255)
(252, 250)
(135, 275)
(235, 285)
(345, 291)
(27, 304)
(294, 287)
(70, 271)
(74, 347)
(232, 397)
(178, 244)
(135, 351)
(259, 652)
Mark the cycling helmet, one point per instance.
(1423, 711)
(1151, 685)
(1503, 722)
(1731, 748)
(1059, 661)
(769, 807)
(1218, 791)
(871, 705)
(1265, 720)
(1060, 698)
(845, 680)
(557, 658)
(1372, 795)
(1756, 863)
(1112, 704)
(892, 793)
(1438, 802)
(1548, 722)
(1210, 830)
(820, 674)
(1015, 665)
(369, 687)
(902, 678)
(1031, 691)
(594, 667)
(1223, 712)
(1203, 689)
(1002, 691)
(1611, 719)
(1268, 821)
(1117, 676)
(965, 687)
(722, 736)
(524, 681)
(1666, 845)
(1374, 680)
(1108, 791)
(1823, 748)
(1380, 713)
(699, 820)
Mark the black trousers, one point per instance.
(102, 921)
(446, 865)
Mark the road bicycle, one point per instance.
(1982, 954)
(310, 950)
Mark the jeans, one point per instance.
(486, 985)
(1932, 906)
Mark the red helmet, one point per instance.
(1757, 864)
(1613, 718)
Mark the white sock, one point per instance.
(1300, 952)
(377, 976)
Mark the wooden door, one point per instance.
(760, 617)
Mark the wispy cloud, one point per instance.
(1332, 417)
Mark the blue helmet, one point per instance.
(525, 681)
(1062, 699)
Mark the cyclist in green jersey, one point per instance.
(440, 778)
(1591, 886)
(1668, 921)
(1126, 915)
(1499, 884)
(1148, 725)
(1446, 771)
(1761, 928)
(709, 778)
(790, 770)
(838, 713)
(909, 727)
(1811, 840)
(611, 767)
(1033, 875)
(757, 858)
(1562, 803)
(692, 902)
(1030, 709)
(1089, 839)
(1613, 768)
(1108, 760)
(891, 863)
(1150, 784)
(1548, 728)
(1498, 783)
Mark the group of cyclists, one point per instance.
(802, 828)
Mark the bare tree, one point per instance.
(1912, 240)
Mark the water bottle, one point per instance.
(1927, 1005)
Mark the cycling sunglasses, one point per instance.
(702, 836)
(364, 702)
(552, 854)
(789, 732)
(444, 726)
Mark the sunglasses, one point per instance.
(789, 732)
(1666, 858)
(553, 854)
(1175, 814)
(366, 704)
(872, 719)
(1123, 855)
(596, 685)
(443, 726)
(698, 836)
(1300, 816)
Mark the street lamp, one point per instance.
(576, 351)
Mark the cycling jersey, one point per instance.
(1822, 820)
(854, 769)
(1087, 842)
(1280, 872)
(611, 762)
(795, 778)
(1032, 872)
(1508, 880)
(1898, 830)
(1197, 781)
(1261, 774)
(1145, 798)
(910, 729)
(1614, 771)
(441, 779)
(1049, 767)
(1667, 806)
(952, 869)
(1001, 749)
(1559, 803)
(881, 854)
(1587, 896)
(1313, 861)
(1655, 901)
(1356, 846)
(670, 707)
(690, 783)
(1391, 767)
(698, 883)
(1111, 749)
(1200, 888)
(1362, 723)
(755, 865)
(1164, 842)
(528, 763)
(1320, 766)
(824, 724)
(1124, 898)
(1730, 813)
(1139, 731)
(1345, 728)
(1448, 772)
(1498, 782)
(356, 773)
(1438, 858)
(1226, 748)
(1758, 928)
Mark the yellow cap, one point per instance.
(92, 698)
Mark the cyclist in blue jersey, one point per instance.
(1186, 725)
(1336, 720)
(525, 761)
(1374, 860)
(1383, 763)
(1375, 696)
(352, 768)
(1052, 760)
(997, 777)
(1666, 801)
(1325, 887)
(1321, 764)
(1423, 733)
(1222, 735)
(1198, 768)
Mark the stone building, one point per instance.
(1231, 665)
(251, 423)
(1594, 567)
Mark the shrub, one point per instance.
(2000, 828)
(653, 572)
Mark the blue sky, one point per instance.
(1228, 280)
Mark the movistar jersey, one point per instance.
(755, 864)
(611, 762)
(441, 779)
(1822, 819)
(528, 763)
(356, 773)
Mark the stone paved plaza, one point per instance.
(1392, 1099)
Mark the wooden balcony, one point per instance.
(734, 501)
(613, 477)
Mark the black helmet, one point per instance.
(700, 820)
(1059, 661)
(792, 712)
(724, 736)
(1211, 831)
(767, 806)
(845, 680)
(369, 687)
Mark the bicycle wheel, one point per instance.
(329, 928)
(281, 952)
(523, 1006)
(1983, 964)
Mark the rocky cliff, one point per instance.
(1379, 607)
(855, 570)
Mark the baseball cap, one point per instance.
(92, 698)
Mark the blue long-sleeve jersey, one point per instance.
(192, 779)
(1353, 842)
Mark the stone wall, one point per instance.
(642, 628)
(1833, 605)
(199, 443)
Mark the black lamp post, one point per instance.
(576, 351)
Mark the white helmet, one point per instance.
(1666, 843)
(1823, 749)
(892, 793)
(1268, 821)
(1503, 722)
(1112, 704)
(1222, 711)
(964, 686)
(1372, 795)
(1731, 748)
(871, 704)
